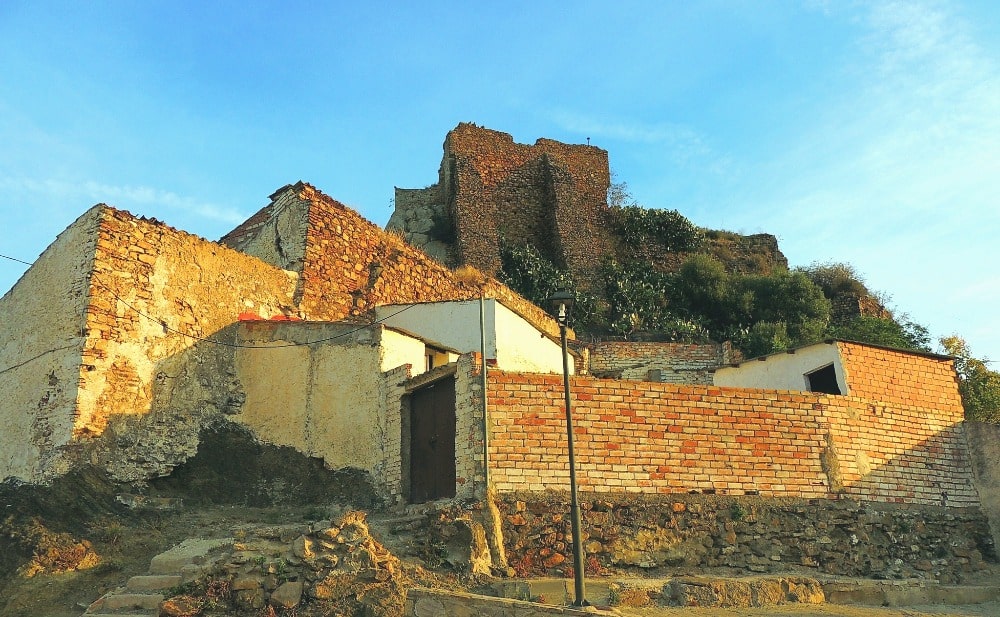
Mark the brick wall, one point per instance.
(665, 362)
(906, 378)
(664, 438)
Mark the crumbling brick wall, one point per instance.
(664, 438)
(664, 362)
(160, 298)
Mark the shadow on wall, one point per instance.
(936, 470)
(189, 445)
(233, 467)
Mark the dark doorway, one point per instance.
(823, 380)
(432, 442)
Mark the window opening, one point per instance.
(823, 380)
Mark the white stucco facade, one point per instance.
(511, 340)
(784, 371)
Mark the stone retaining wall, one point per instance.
(745, 534)
(663, 362)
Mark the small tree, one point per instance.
(979, 386)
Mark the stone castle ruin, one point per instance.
(491, 190)
(312, 329)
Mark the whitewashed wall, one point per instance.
(783, 371)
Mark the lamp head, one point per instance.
(562, 303)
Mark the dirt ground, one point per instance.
(126, 547)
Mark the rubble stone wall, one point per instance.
(41, 344)
(664, 438)
(680, 533)
(550, 195)
(665, 362)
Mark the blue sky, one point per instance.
(859, 132)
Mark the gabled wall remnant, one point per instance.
(125, 337)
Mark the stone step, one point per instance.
(131, 601)
(194, 551)
(153, 582)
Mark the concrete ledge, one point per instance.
(906, 593)
(422, 602)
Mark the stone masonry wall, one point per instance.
(664, 362)
(349, 264)
(641, 437)
(893, 376)
(159, 297)
(550, 195)
(680, 533)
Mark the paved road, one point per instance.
(990, 609)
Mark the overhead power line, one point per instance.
(163, 324)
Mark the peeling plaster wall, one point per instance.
(276, 234)
(160, 297)
(325, 400)
(41, 341)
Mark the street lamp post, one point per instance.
(562, 302)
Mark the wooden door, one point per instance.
(432, 442)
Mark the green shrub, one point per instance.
(978, 385)
(667, 228)
(901, 333)
(527, 272)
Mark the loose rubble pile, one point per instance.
(325, 568)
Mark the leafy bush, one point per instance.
(901, 333)
(978, 385)
(760, 314)
(638, 299)
(836, 279)
(667, 228)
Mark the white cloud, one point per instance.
(126, 196)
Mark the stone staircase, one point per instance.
(141, 595)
